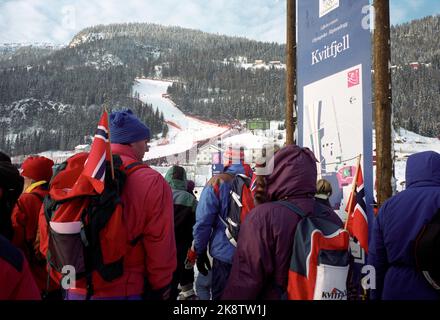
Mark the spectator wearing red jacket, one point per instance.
(16, 280)
(148, 214)
(37, 172)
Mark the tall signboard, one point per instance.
(334, 91)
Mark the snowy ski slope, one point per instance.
(184, 131)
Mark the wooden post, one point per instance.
(382, 101)
(291, 71)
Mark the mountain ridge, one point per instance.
(101, 62)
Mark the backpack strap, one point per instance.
(293, 208)
(425, 253)
(48, 205)
(215, 181)
(39, 196)
(131, 167)
(40, 192)
(237, 197)
(245, 178)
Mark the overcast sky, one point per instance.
(57, 21)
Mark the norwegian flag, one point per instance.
(94, 167)
(357, 221)
(253, 185)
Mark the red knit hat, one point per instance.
(37, 168)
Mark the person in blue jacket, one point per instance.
(395, 229)
(214, 201)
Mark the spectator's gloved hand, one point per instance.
(190, 260)
(203, 264)
(162, 293)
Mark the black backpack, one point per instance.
(427, 251)
(240, 204)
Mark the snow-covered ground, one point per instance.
(407, 143)
(242, 62)
(247, 140)
(184, 131)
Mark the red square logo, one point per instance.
(353, 78)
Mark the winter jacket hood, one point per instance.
(294, 175)
(423, 169)
(177, 184)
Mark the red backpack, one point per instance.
(84, 229)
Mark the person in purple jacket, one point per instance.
(262, 258)
(391, 249)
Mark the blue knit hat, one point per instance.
(125, 127)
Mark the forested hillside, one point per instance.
(216, 77)
(415, 49)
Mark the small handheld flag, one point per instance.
(357, 221)
(94, 168)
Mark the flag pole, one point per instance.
(353, 188)
(109, 145)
